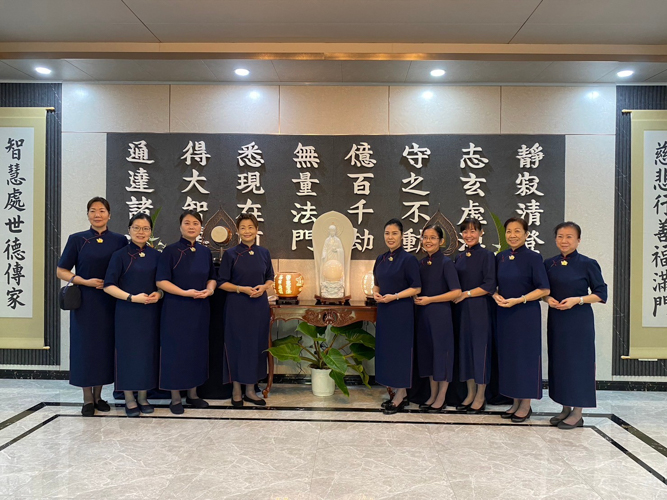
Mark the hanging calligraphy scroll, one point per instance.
(288, 181)
(22, 178)
(648, 267)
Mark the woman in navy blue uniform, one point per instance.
(91, 330)
(476, 268)
(246, 273)
(186, 274)
(576, 283)
(130, 279)
(522, 282)
(434, 325)
(397, 278)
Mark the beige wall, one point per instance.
(586, 115)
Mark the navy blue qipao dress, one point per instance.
(184, 322)
(435, 327)
(137, 325)
(571, 333)
(475, 314)
(247, 319)
(520, 327)
(91, 330)
(394, 330)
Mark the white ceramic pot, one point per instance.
(322, 383)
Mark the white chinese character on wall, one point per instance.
(250, 181)
(305, 184)
(472, 211)
(471, 158)
(135, 206)
(530, 211)
(363, 242)
(250, 155)
(415, 155)
(197, 206)
(360, 156)
(139, 181)
(414, 214)
(307, 213)
(358, 208)
(301, 235)
(412, 182)
(306, 157)
(196, 151)
(412, 241)
(361, 185)
(527, 184)
(473, 186)
(138, 152)
(194, 182)
(532, 239)
(530, 158)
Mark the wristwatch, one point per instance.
(581, 301)
(129, 297)
(468, 292)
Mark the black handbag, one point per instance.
(70, 296)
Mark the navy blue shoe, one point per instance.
(132, 412)
(102, 405)
(197, 403)
(176, 409)
(146, 408)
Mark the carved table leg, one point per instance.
(271, 362)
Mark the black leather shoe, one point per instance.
(424, 407)
(477, 411)
(237, 404)
(507, 415)
(437, 409)
(385, 403)
(463, 407)
(132, 412)
(197, 402)
(146, 408)
(256, 402)
(102, 405)
(518, 420)
(177, 409)
(392, 408)
(88, 410)
(567, 427)
(558, 419)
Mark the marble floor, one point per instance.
(326, 448)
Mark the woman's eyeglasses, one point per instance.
(137, 229)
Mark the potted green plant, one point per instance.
(333, 351)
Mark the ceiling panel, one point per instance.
(327, 11)
(476, 71)
(260, 71)
(575, 71)
(309, 71)
(621, 34)
(60, 69)
(642, 72)
(375, 71)
(8, 73)
(661, 77)
(70, 21)
(331, 32)
(145, 71)
(609, 12)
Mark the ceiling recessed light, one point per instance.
(427, 95)
(625, 73)
(254, 95)
(438, 72)
(242, 72)
(42, 70)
